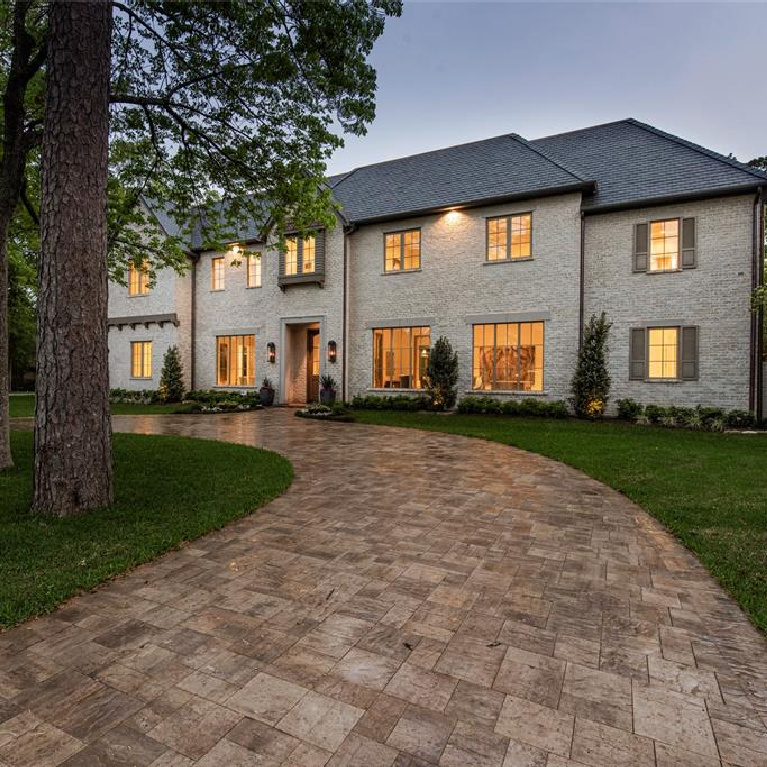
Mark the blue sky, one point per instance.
(450, 72)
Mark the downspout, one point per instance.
(193, 332)
(344, 351)
(581, 307)
(756, 377)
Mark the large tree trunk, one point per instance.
(12, 172)
(73, 457)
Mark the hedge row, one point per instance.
(395, 402)
(530, 406)
(704, 418)
(206, 399)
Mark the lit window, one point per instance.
(508, 357)
(254, 270)
(664, 245)
(509, 237)
(138, 280)
(291, 256)
(236, 360)
(217, 273)
(662, 352)
(308, 254)
(402, 251)
(400, 357)
(141, 359)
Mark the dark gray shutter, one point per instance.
(281, 248)
(637, 354)
(641, 247)
(319, 252)
(688, 243)
(688, 358)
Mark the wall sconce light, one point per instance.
(271, 353)
(332, 351)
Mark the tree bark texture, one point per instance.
(12, 173)
(73, 457)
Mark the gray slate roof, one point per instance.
(497, 168)
(634, 162)
(622, 163)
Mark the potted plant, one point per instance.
(267, 393)
(327, 390)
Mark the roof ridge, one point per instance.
(699, 148)
(546, 156)
(584, 128)
(348, 173)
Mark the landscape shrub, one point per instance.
(391, 402)
(529, 406)
(740, 419)
(629, 409)
(442, 375)
(172, 378)
(591, 382)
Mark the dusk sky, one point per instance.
(450, 72)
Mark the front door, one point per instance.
(313, 365)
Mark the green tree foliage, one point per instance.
(591, 382)
(172, 378)
(442, 375)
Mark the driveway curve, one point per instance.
(413, 599)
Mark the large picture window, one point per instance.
(138, 280)
(400, 357)
(509, 238)
(141, 359)
(236, 360)
(508, 357)
(402, 251)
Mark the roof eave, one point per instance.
(586, 187)
(650, 202)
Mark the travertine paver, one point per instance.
(413, 599)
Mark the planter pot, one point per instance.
(327, 396)
(267, 396)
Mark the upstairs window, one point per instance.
(254, 270)
(141, 359)
(217, 273)
(664, 245)
(509, 238)
(402, 251)
(291, 256)
(308, 254)
(302, 259)
(138, 280)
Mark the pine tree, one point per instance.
(591, 383)
(172, 379)
(442, 375)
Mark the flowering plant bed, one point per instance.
(325, 413)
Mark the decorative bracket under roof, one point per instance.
(143, 319)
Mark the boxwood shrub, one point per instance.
(529, 406)
(391, 402)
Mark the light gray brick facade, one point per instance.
(583, 220)
(714, 296)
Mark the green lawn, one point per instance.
(169, 490)
(23, 406)
(709, 489)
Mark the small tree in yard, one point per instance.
(172, 379)
(591, 383)
(442, 375)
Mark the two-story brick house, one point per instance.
(505, 246)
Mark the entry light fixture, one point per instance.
(271, 352)
(332, 351)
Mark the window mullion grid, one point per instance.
(402, 251)
(508, 238)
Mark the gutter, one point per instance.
(586, 187)
(650, 202)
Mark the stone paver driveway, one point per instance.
(413, 599)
